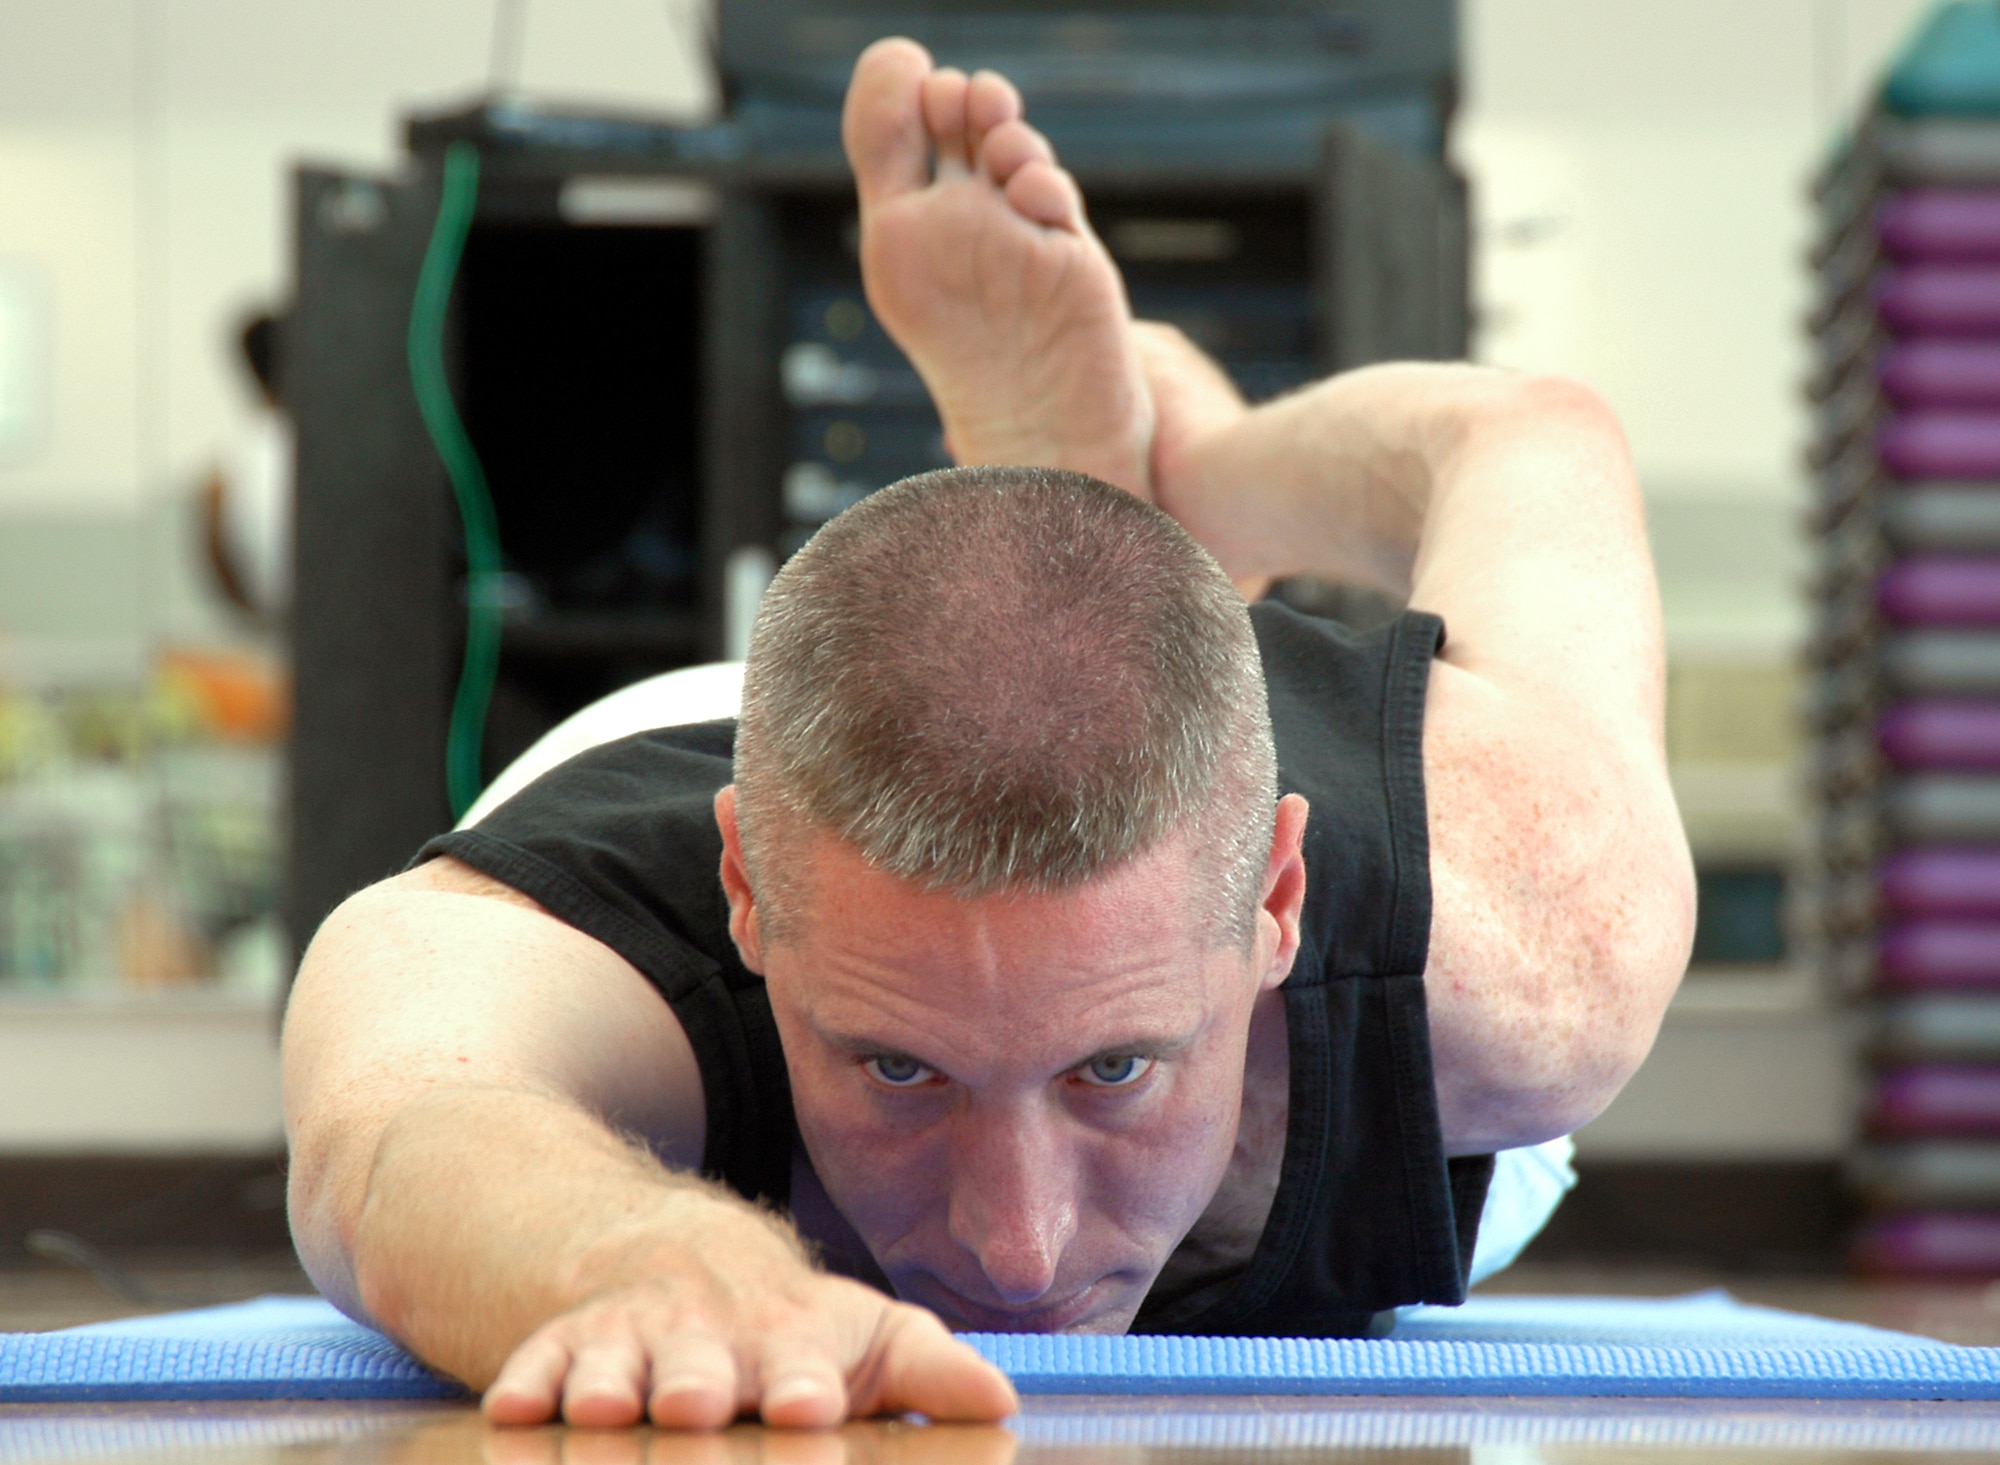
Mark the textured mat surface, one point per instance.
(273, 1348)
(1698, 1346)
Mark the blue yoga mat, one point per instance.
(1705, 1345)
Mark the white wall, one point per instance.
(1640, 176)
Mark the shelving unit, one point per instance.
(1905, 701)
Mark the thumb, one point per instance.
(918, 1367)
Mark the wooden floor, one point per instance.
(1102, 1431)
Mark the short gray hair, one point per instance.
(1006, 678)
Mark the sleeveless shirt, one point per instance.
(620, 842)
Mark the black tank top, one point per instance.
(621, 843)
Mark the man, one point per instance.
(1002, 962)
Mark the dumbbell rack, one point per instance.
(1904, 906)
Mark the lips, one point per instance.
(968, 1316)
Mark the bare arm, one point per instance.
(1563, 889)
(460, 1072)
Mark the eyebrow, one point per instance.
(1149, 1045)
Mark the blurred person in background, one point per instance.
(246, 502)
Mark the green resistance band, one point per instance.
(466, 740)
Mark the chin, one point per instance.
(1096, 1309)
(1111, 1324)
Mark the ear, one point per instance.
(736, 883)
(1284, 891)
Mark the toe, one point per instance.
(1046, 194)
(990, 101)
(1009, 147)
(882, 124)
(944, 93)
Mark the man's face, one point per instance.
(1020, 1102)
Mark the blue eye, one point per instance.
(898, 1071)
(1116, 1070)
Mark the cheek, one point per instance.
(1169, 1161)
(871, 1167)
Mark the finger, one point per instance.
(1008, 147)
(798, 1386)
(923, 1369)
(606, 1387)
(990, 101)
(529, 1387)
(694, 1383)
(1046, 194)
(882, 123)
(944, 118)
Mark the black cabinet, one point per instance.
(661, 350)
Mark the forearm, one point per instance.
(1332, 481)
(1506, 504)
(1350, 477)
(487, 1212)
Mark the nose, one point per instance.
(1013, 1198)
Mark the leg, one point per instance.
(985, 271)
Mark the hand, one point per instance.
(809, 1352)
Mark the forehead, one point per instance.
(1127, 947)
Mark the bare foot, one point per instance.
(986, 272)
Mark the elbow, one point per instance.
(330, 1128)
(324, 1244)
(1631, 960)
(1556, 413)
(329, 1158)
(1630, 932)
(1582, 1020)
(1546, 399)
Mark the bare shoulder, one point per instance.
(1562, 907)
(445, 975)
(455, 877)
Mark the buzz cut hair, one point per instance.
(987, 679)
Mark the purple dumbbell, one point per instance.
(1928, 372)
(1939, 224)
(1937, 1099)
(1938, 444)
(1934, 953)
(1958, 733)
(1931, 1243)
(1941, 882)
(1940, 300)
(1941, 590)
